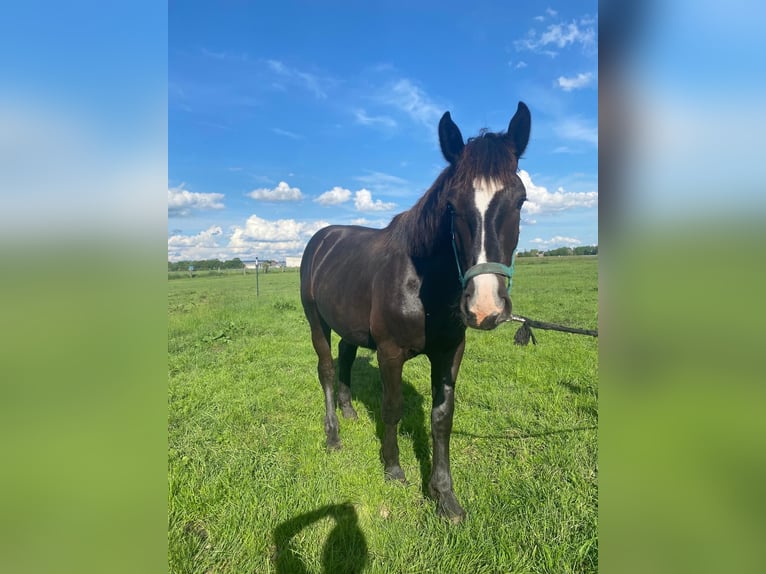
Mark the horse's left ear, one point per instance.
(450, 139)
(518, 129)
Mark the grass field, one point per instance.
(252, 488)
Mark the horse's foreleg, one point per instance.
(391, 363)
(444, 369)
(346, 356)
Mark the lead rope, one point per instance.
(524, 333)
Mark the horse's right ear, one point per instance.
(450, 139)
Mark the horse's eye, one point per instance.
(520, 202)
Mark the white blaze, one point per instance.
(484, 301)
(484, 191)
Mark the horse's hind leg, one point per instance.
(346, 356)
(320, 337)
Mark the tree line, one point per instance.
(581, 250)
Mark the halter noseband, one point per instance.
(480, 268)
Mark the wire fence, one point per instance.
(186, 274)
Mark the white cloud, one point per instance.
(225, 55)
(335, 196)
(579, 81)
(257, 238)
(378, 223)
(412, 100)
(520, 64)
(272, 239)
(363, 202)
(551, 12)
(259, 229)
(540, 201)
(366, 120)
(282, 192)
(556, 241)
(577, 129)
(560, 35)
(363, 198)
(305, 80)
(203, 245)
(287, 134)
(182, 202)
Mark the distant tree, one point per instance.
(559, 252)
(586, 250)
(179, 265)
(235, 263)
(211, 264)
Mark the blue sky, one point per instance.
(290, 116)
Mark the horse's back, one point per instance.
(337, 274)
(349, 247)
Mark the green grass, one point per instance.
(252, 488)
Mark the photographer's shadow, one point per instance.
(344, 551)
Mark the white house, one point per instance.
(293, 261)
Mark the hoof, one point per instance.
(349, 412)
(395, 473)
(448, 507)
(333, 444)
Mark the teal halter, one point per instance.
(480, 268)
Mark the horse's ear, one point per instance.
(518, 129)
(450, 139)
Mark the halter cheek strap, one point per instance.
(481, 268)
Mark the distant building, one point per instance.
(293, 261)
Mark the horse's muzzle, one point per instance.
(485, 304)
(487, 323)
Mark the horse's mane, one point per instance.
(416, 229)
(489, 155)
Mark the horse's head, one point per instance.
(483, 199)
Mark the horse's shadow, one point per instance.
(345, 549)
(366, 388)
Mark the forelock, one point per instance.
(489, 156)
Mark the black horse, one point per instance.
(402, 290)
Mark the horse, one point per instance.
(401, 290)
